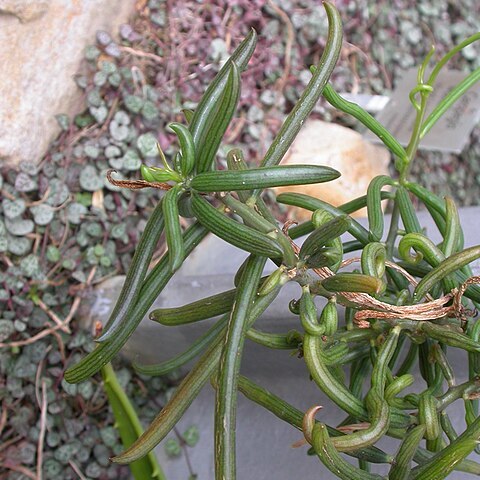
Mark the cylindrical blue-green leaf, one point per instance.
(173, 230)
(263, 177)
(218, 120)
(233, 232)
(226, 394)
(185, 138)
(196, 311)
(136, 274)
(206, 110)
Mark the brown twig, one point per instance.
(37, 238)
(9, 443)
(105, 277)
(82, 133)
(109, 116)
(371, 307)
(61, 346)
(77, 470)
(136, 184)
(6, 260)
(7, 195)
(3, 417)
(50, 330)
(392, 265)
(236, 130)
(457, 299)
(354, 427)
(140, 53)
(47, 331)
(65, 232)
(288, 44)
(43, 429)
(38, 374)
(42, 200)
(52, 315)
(20, 469)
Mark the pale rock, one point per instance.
(24, 10)
(321, 143)
(41, 46)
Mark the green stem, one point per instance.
(414, 139)
(226, 395)
(129, 426)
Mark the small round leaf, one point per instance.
(13, 208)
(19, 227)
(75, 212)
(131, 160)
(147, 144)
(42, 214)
(90, 180)
(25, 183)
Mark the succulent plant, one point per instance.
(397, 296)
(264, 101)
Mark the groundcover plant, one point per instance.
(409, 299)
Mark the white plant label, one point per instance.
(451, 133)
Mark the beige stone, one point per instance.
(41, 46)
(321, 143)
(24, 10)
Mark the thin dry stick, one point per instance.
(77, 470)
(6, 260)
(226, 23)
(388, 263)
(37, 239)
(288, 44)
(37, 379)
(49, 331)
(43, 428)
(136, 184)
(139, 53)
(236, 130)
(53, 316)
(412, 280)
(18, 468)
(429, 310)
(62, 205)
(8, 443)
(3, 417)
(373, 308)
(457, 300)
(7, 195)
(61, 346)
(42, 200)
(354, 427)
(43, 333)
(82, 133)
(65, 232)
(106, 123)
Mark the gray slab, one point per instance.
(264, 443)
(451, 133)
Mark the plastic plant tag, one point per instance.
(371, 103)
(452, 131)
